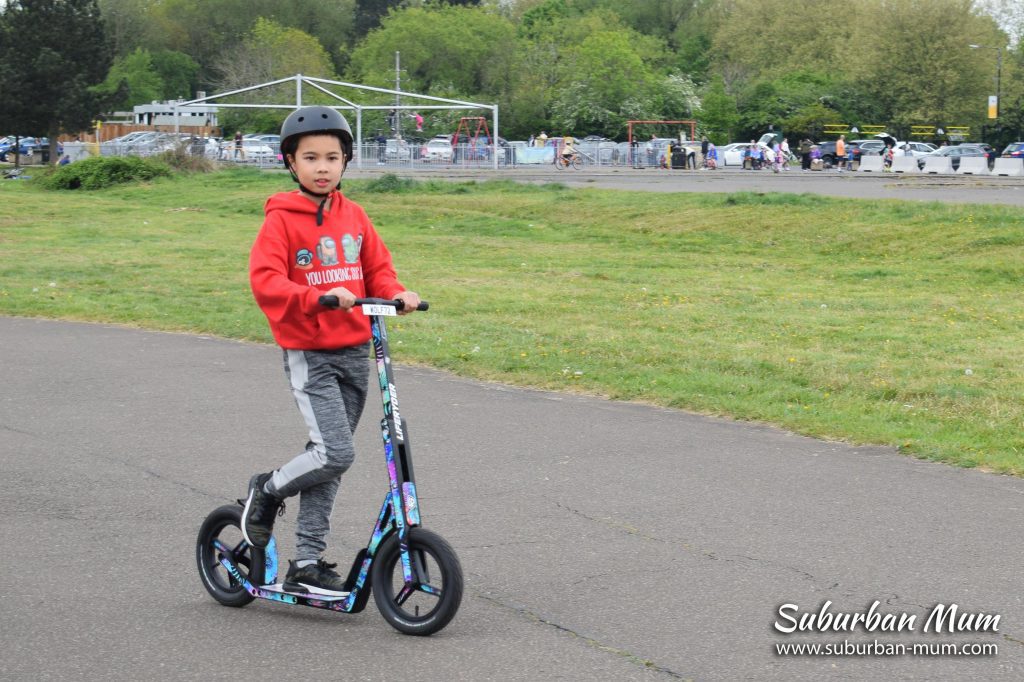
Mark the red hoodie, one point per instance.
(293, 262)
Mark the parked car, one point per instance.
(437, 149)
(828, 152)
(873, 147)
(397, 149)
(26, 147)
(956, 152)
(1014, 150)
(733, 153)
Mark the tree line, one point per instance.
(565, 66)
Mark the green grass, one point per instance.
(868, 321)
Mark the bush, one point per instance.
(389, 183)
(103, 171)
(181, 158)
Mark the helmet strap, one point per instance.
(323, 196)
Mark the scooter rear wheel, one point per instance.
(224, 524)
(431, 601)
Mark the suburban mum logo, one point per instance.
(941, 619)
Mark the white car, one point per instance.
(732, 154)
(437, 149)
(254, 150)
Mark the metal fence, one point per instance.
(398, 154)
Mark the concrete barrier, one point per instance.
(1008, 166)
(938, 164)
(973, 165)
(871, 163)
(905, 164)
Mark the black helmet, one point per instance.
(309, 120)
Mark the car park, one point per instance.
(957, 152)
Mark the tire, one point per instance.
(224, 524)
(576, 164)
(559, 162)
(443, 572)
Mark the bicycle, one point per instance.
(562, 162)
(414, 574)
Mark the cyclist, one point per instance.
(568, 150)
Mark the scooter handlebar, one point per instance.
(329, 301)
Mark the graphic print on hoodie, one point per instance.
(294, 261)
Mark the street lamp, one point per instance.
(999, 73)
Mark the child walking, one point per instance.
(315, 241)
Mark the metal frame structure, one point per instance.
(322, 85)
(629, 124)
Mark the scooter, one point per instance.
(414, 574)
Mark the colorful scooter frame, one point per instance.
(413, 573)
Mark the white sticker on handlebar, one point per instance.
(375, 309)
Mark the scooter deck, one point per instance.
(278, 588)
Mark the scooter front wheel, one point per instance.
(224, 524)
(431, 600)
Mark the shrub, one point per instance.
(181, 158)
(102, 171)
(389, 183)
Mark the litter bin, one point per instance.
(678, 157)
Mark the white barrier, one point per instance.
(905, 164)
(871, 163)
(973, 165)
(938, 164)
(1008, 166)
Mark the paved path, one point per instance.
(856, 185)
(600, 540)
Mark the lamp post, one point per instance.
(999, 73)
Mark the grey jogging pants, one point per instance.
(330, 391)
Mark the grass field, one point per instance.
(868, 321)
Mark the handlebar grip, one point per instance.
(329, 301)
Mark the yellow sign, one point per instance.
(993, 106)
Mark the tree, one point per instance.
(53, 53)
(134, 80)
(718, 114)
(269, 52)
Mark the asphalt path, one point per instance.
(856, 185)
(600, 540)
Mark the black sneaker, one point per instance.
(315, 578)
(260, 510)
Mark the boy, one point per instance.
(313, 242)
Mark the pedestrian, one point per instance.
(754, 155)
(849, 157)
(703, 151)
(711, 160)
(805, 154)
(312, 239)
(840, 155)
(239, 149)
(542, 139)
(650, 150)
(785, 154)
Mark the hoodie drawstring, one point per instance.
(320, 212)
